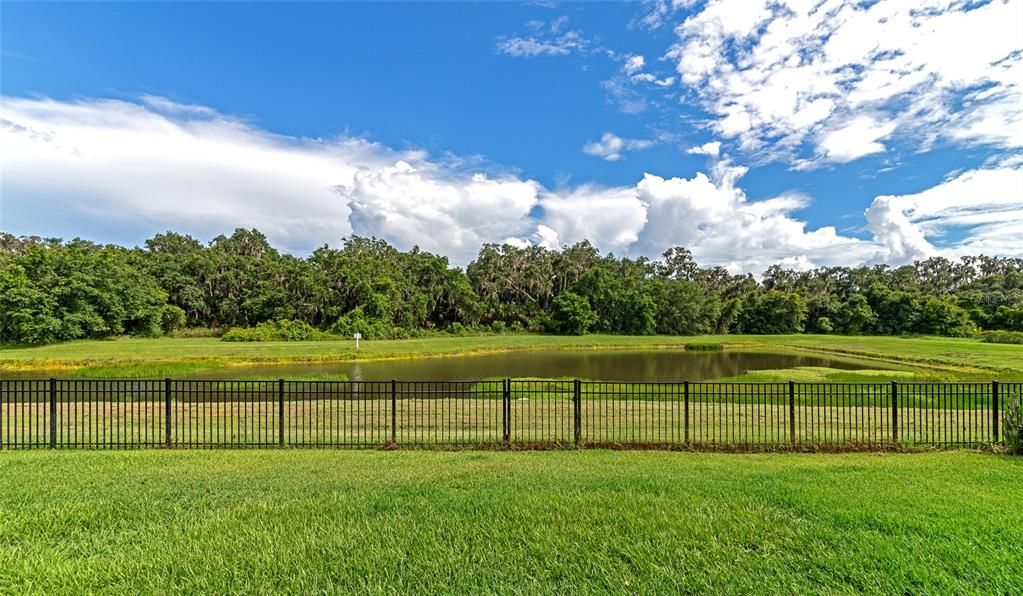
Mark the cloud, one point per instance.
(986, 203)
(132, 169)
(610, 146)
(658, 11)
(610, 218)
(712, 216)
(546, 39)
(530, 47)
(634, 64)
(711, 149)
(621, 92)
(625, 88)
(709, 214)
(645, 77)
(439, 211)
(656, 14)
(859, 137)
(156, 165)
(790, 77)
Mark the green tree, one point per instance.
(895, 311)
(773, 312)
(942, 316)
(854, 316)
(515, 284)
(683, 308)
(51, 290)
(61, 291)
(571, 314)
(615, 290)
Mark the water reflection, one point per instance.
(660, 365)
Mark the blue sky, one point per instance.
(744, 132)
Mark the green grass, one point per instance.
(465, 522)
(141, 370)
(961, 358)
(160, 369)
(704, 347)
(822, 374)
(956, 354)
(78, 353)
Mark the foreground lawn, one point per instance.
(962, 358)
(596, 521)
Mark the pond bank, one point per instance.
(956, 358)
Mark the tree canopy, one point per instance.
(53, 290)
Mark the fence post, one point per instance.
(167, 412)
(506, 409)
(53, 413)
(792, 413)
(994, 410)
(895, 412)
(280, 412)
(685, 423)
(394, 412)
(577, 403)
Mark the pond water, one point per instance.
(632, 365)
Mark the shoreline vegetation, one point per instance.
(926, 357)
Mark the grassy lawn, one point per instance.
(469, 522)
(960, 358)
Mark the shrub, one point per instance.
(498, 327)
(242, 334)
(172, 318)
(1002, 337)
(195, 332)
(1009, 318)
(357, 321)
(1012, 426)
(706, 347)
(284, 330)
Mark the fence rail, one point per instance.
(99, 414)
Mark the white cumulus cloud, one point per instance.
(440, 212)
(711, 149)
(784, 77)
(987, 203)
(154, 165)
(634, 64)
(610, 147)
(859, 137)
(131, 169)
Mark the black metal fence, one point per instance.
(52, 413)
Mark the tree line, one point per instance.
(53, 290)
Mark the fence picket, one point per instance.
(540, 412)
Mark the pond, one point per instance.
(630, 365)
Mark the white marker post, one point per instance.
(357, 337)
